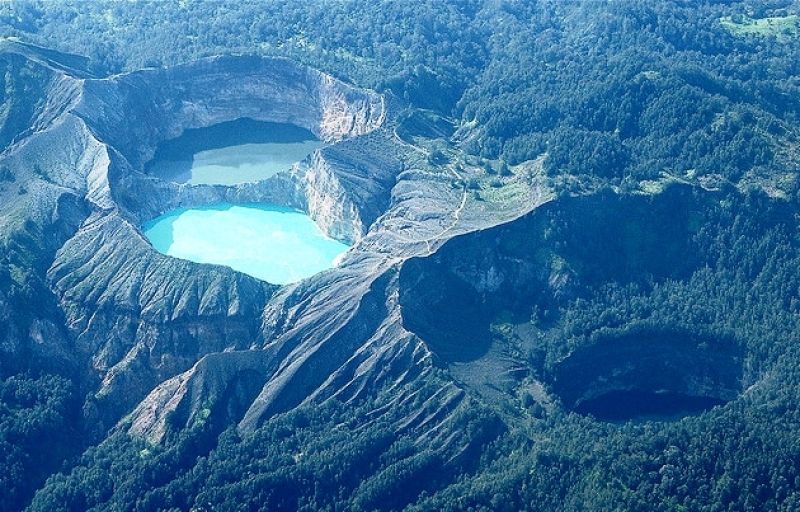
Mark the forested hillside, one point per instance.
(667, 131)
(614, 91)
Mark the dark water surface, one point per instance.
(240, 151)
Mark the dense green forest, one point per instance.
(619, 90)
(615, 94)
(37, 430)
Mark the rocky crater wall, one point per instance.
(556, 253)
(133, 113)
(546, 260)
(135, 317)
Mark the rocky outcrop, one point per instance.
(218, 388)
(348, 185)
(38, 87)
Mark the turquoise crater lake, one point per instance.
(278, 245)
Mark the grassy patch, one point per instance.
(507, 195)
(503, 325)
(782, 27)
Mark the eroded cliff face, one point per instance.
(134, 112)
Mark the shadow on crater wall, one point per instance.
(649, 374)
(556, 253)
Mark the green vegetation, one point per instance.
(506, 195)
(608, 91)
(633, 96)
(36, 433)
(571, 462)
(781, 27)
(315, 458)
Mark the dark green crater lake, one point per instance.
(240, 151)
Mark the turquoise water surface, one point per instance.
(278, 245)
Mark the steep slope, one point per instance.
(77, 174)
